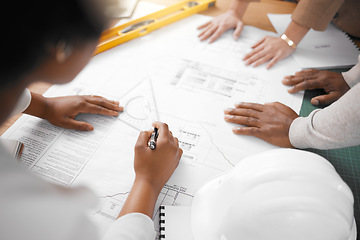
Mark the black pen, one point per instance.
(153, 138)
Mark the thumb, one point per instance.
(324, 100)
(238, 30)
(143, 139)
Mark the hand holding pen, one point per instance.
(153, 168)
(156, 166)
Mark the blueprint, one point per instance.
(168, 75)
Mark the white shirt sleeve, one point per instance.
(132, 226)
(335, 126)
(34, 209)
(352, 77)
(23, 103)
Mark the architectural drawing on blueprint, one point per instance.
(111, 205)
(197, 76)
(199, 147)
(140, 109)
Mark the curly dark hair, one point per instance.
(29, 27)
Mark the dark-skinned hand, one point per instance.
(331, 82)
(61, 111)
(269, 122)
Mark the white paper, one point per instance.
(167, 75)
(329, 49)
(120, 8)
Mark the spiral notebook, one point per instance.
(175, 223)
(329, 49)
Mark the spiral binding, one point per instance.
(162, 222)
(348, 36)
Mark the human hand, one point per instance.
(270, 122)
(61, 111)
(216, 27)
(270, 49)
(156, 166)
(333, 84)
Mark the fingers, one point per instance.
(207, 32)
(180, 151)
(249, 131)
(143, 139)
(254, 106)
(95, 109)
(166, 136)
(99, 105)
(70, 123)
(272, 62)
(300, 77)
(258, 43)
(306, 85)
(244, 114)
(242, 120)
(204, 25)
(216, 34)
(253, 56)
(103, 102)
(163, 128)
(180, 154)
(268, 49)
(238, 30)
(325, 100)
(263, 60)
(252, 53)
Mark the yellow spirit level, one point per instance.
(142, 26)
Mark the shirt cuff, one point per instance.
(352, 77)
(300, 130)
(23, 103)
(134, 226)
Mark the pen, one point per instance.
(153, 138)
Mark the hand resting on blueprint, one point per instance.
(269, 49)
(332, 83)
(61, 111)
(231, 19)
(215, 28)
(270, 122)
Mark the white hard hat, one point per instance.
(282, 194)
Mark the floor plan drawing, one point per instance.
(216, 81)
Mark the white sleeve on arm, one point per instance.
(352, 77)
(22, 103)
(336, 126)
(132, 226)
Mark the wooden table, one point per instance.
(256, 15)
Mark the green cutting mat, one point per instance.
(345, 160)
